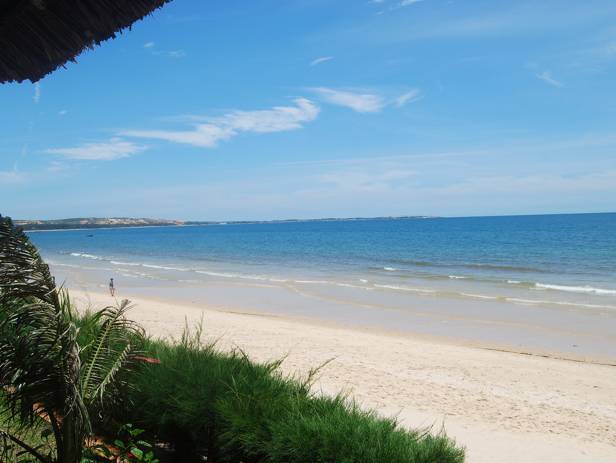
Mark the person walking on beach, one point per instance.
(111, 287)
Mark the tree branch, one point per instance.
(32, 451)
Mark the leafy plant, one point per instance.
(128, 447)
(49, 382)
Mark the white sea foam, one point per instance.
(406, 288)
(313, 282)
(390, 269)
(162, 267)
(578, 289)
(349, 285)
(218, 274)
(479, 296)
(457, 277)
(235, 275)
(568, 304)
(363, 281)
(130, 264)
(514, 282)
(87, 256)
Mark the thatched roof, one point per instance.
(38, 36)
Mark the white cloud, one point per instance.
(409, 2)
(56, 166)
(148, 45)
(360, 102)
(37, 93)
(176, 54)
(323, 59)
(11, 177)
(407, 97)
(214, 130)
(546, 76)
(170, 53)
(115, 148)
(63, 112)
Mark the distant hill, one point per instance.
(94, 222)
(117, 222)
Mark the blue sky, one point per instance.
(309, 108)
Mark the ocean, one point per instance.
(542, 272)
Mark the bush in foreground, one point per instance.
(222, 405)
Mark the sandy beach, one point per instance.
(503, 406)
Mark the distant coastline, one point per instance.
(130, 222)
(127, 222)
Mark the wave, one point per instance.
(569, 304)
(162, 267)
(87, 256)
(390, 269)
(130, 264)
(312, 282)
(578, 289)
(457, 277)
(239, 275)
(479, 296)
(406, 288)
(471, 265)
(349, 285)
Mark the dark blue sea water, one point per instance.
(568, 259)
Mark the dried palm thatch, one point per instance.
(38, 36)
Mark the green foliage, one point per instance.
(231, 409)
(43, 370)
(129, 447)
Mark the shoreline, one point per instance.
(317, 322)
(535, 408)
(575, 335)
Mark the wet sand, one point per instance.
(576, 333)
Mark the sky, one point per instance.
(269, 109)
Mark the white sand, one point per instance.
(504, 407)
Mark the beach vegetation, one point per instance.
(51, 385)
(222, 405)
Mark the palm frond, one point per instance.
(23, 273)
(113, 349)
(39, 355)
(43, 371)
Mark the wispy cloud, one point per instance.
(407, 97)
(546, 76)
(409, 2)
(175, 53)
(11, 177)
(363, 102)
(114, 148)
(170, 53)
(37, 93)
(323, 59)
(63, 112)
(360, 102)
(213, 130)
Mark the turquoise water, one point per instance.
(568, 254)
(537, 283)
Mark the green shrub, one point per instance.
(231, 409)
